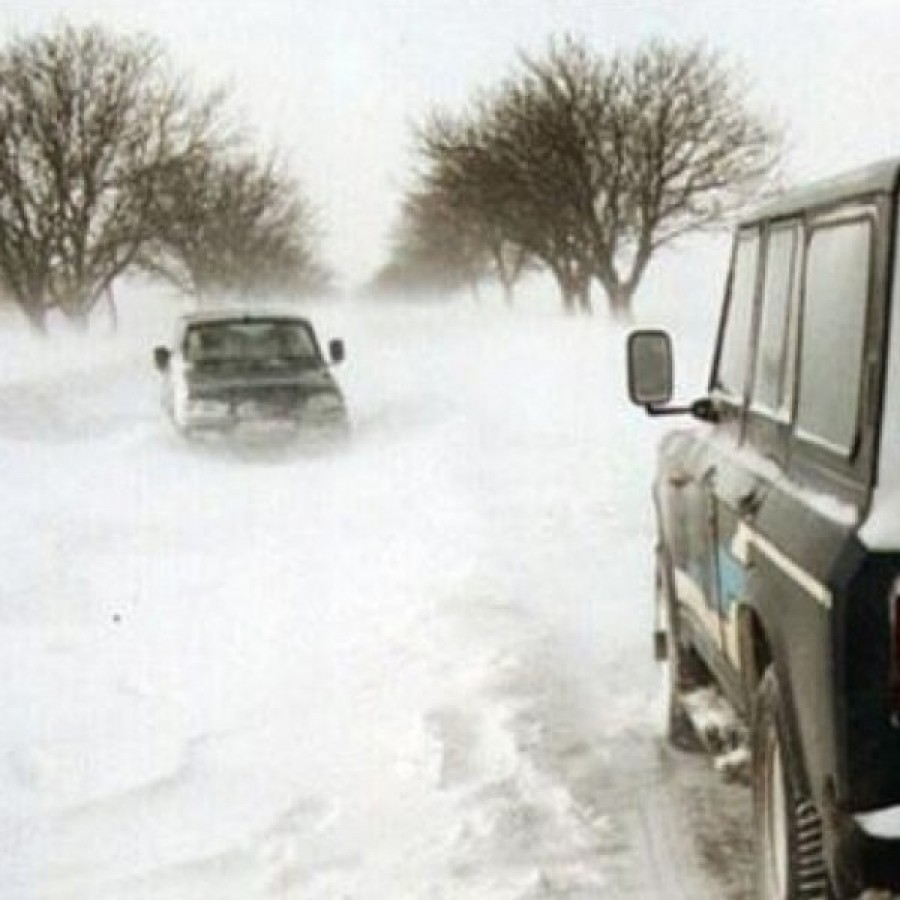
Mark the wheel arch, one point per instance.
(761, 649)
(755, 649)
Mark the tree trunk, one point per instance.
(76, 307)
(112, 309)
(566, 294)
(81, 319)
(621, 291)
(583, 296)
(568, 297)
(35, 314)
(506, 277)
(620, 301)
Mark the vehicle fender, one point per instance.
(763, 644)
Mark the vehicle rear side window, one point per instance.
(778, 325)
(834, 316)
(735, 348)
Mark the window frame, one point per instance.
(811, 464)
(790, 326)
(767, 431)
(734, 405)
(819, 445)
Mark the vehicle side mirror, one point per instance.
(650, 367)
(336, 351)
(161, 358)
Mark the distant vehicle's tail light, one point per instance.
(895, 654)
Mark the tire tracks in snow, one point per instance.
(557, 801)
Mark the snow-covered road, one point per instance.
(416, 667)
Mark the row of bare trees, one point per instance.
(110, 165)
(583, 165)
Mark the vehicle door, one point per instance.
(758, 373)
(732, 487)
(696, 464)
(829, 470)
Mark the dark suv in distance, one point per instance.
(778, 513)
(251, 372)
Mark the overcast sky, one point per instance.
(337, 83)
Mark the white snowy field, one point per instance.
(415, 667)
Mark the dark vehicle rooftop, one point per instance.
(222, 315)
(878, 178)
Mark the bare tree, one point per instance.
(538, 181)
(434, 248)
(89, 122)
(460, 181)
(591, 164)
(517, 163)
(231, 222)
(685, 152)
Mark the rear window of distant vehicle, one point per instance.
(275, 339)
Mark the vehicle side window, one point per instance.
(778, 326)
(735, 348)
(836, 288)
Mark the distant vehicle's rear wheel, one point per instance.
(786, 827)
(681, 673)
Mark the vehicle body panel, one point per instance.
(784, 547)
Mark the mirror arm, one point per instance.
(652, 410)
(703, 409)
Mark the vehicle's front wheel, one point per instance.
(787, 832)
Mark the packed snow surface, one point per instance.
(414, 666)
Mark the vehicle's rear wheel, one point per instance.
(787, 831)
(681, 673)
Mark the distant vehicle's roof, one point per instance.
(879, 177)
(212, 316)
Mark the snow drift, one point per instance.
(416, 667)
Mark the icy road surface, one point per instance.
(416, 668)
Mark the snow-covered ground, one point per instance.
(415, 667)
